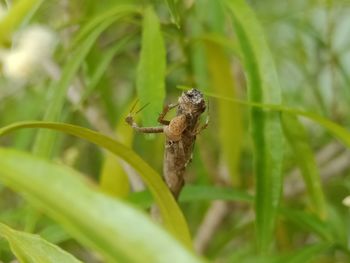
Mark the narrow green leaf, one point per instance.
(195, 193)
(151, 68)
(266, 128)
(170, 211)
(102, 66)
(229, 115)
(174, 12)
(108, 225)
(58, 90)
(120, 9)
(15, 16)
(32, 248)
(337, 130)
(298, 140)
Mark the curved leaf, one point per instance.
(32, 248)
(266, 127)
(119, 232)
(170, 211)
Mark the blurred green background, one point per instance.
(309, 42)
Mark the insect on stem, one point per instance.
(180, 135)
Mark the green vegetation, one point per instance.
(268, 175)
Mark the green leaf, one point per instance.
(58, 90)
(229, 115)
(102, 66)
(170, 211)
(16, 15)
(150, 80)
(120, 9)
(298, 140)
(266, 127)
(174, 12)
(195, 193)
(337, 130)
(29, 248)
(108, 225)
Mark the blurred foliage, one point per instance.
(90, 61)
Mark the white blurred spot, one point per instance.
(34, 46)
(346, 201)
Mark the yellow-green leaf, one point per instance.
(29, 248)
(118, 231)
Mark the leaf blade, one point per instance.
(150, 79)
(105, 224)
(298, 140)
(32, 248)
(265, 127)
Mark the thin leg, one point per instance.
(130, 120)
(166, 109)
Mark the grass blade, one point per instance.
(230, 123)
(337, 130)
(298, 140)
(105, 224)
(170, 211)
(151, 68)
(32, 248)
(266, 127)
(45, 139)
(100, 70)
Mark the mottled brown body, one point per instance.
(178, 153)
(180, 135)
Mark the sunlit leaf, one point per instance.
(32, 248)
(110, 226)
